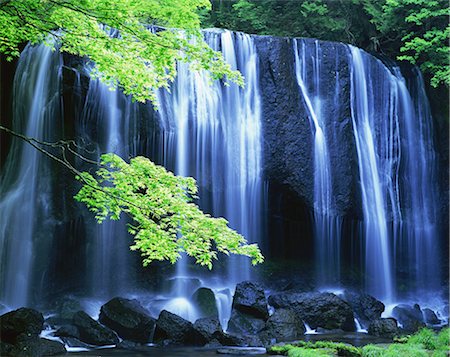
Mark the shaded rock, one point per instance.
(283, 325)
(33, 346)
(64, 310)
(241, 323)
(213, 344)
(249, 298)
(410, 317)
(176, 329)
(430, 317)
(324, 310)
(68, 331)
(74, 342)
(228, 339)
(208, 329)
(383, 328)
(6, 348)
(23, 321)
(92, 332)
(205, 302)
(129, 319)
(365, 306)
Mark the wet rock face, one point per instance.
(383, 328)
(92, 332)
(249, 298)
(128, 318)
(205, 302)
(283, 325)
(287, 126)
(324, 310)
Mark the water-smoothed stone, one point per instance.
(383, 328)
(68, 331)
(230, 339)
(92, 332)
(324, 310)
(283, 325)
(241, 351)
(242, 323)
(23, 321)
(175, 329)
(75, 342)
(129, 319)
(430, 317)
(365, 306)
(33, 346)
(208, 329)
(410, 317)
(205, 302)
(249, 298)
(6, 348)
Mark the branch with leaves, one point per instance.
(164, 219)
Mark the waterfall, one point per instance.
(327, 231)
(25, 207)
(371, 170)
(218, 140)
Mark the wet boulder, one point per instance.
(249, 298)
(245, 324)
(409, 317)
(175, 329)
(208, 329)
(383, 328)
(365, 306)
(92, 332)
(430, 317)
(230, 339)
(68, 331)
(324, 310)
(23, 321)
(34, 346)
(129, 319)
(283, 325)
(205, 302)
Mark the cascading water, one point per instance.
(218, 138)
(25, 183)
(327, 228)
(371, 171)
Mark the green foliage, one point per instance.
(165, 221)
(319, 348)
(443, 339)
(394, 350)
(426, 338)
(418, 29)
(138, 61)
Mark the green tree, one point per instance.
(164, 220)
(419, 30)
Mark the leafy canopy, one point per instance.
(139, 60)
(165, 221)
(136, 59)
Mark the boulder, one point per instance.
(283, 325)
(324, 310)
(410, 317)
(23, 321)
(430, 317)
(205, 302)
(176, 329)
(249, 298)
(6, 348)
(208, 329)
(383, 328)
(245, 324)
(227, 339)
(64, 310)
(92, 332)
(365, 306)
(68, 331)
(129, 319)
(34, 346)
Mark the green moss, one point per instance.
(309, 352)
(443, 339)
(327, 347)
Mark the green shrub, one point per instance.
(424, 337)
(373, 351)
(443, 339)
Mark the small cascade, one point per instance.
(327, 228)
(25, 188)
(309, 330)
(359, 328)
